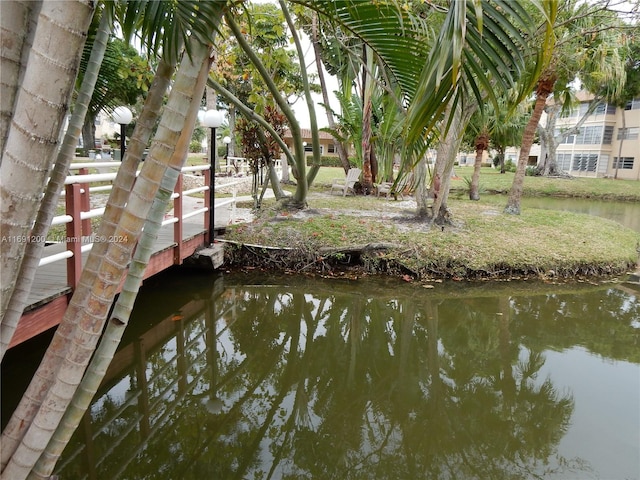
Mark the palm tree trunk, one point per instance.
(422, 190)
(17, 38)
(302, 188)
(482, 143)
(367, 117)
(545, 87)
(89, 134)
(115, 208)
(624, 130)
(85, 317)
(124, 305)
(38, 116)
(515, 194)
(47, 210)
(342, 152)
(446, 157)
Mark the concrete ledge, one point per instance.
(207, 258)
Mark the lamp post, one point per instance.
(226, 140)
(123, 116)
(212, 119)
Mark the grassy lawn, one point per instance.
(491, 181)
(482, 242)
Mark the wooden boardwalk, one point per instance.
(50, 292)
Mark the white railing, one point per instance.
(78, 214)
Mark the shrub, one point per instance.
(195, 146)
(509, 166)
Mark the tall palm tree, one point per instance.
(584, 42)
(84, 319)
(124, 304)
(37, 117)
(16, 19)
(94, 272)
(47, 208)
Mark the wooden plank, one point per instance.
(40, 320)
(49, 294)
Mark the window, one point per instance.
(308, 147)
(633, 104)
(611, 109)
(584, 106)
(585, 162)
(625, 163)
(608, 135)
(589, 136)
(568, 139)
(628, 133)
(564, 161)
(331, 148)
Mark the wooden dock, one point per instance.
(50, 292)
(186, 231)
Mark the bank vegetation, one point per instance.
(369, 235)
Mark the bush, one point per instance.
(329, 161)
(509, 166)
(195, 146)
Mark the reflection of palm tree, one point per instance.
(433, 389)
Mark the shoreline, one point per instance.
(370, 236)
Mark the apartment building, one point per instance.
(595, 150)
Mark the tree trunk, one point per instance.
(123, 307)
(232, 131)
(446, 157)
(367, 119)
(17, 21)
(422, 191)
(89, 134)
(624, 129)
(86, 314)
(117, 200)
(545, 87)
(547, 141)
(342, 152)
(482, 143)
(40, 108)
(47, 210)
(367, 175)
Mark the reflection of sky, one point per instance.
(605, 426)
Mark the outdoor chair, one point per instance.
(345, 184)
(387, 188)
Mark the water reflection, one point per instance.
(296, 378)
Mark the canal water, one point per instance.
(255, 376)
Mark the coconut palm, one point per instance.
(585, 42)
(37, 117)
(89, 314)
(43, 381)
(47, 208)
(124, 304)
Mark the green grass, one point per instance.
(605, 188)
(482, 243)
(492, 181)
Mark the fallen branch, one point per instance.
(350, 249)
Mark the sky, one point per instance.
(300, 107)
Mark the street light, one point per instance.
(123, 116)
(212, 119)
(226, 140)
